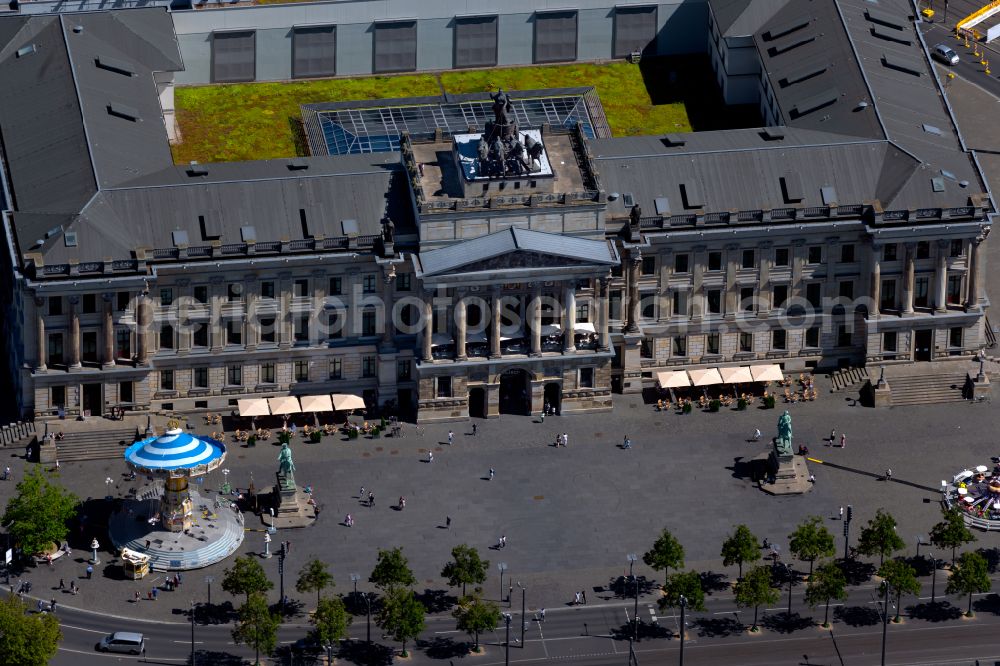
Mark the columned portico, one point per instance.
(461, 332)
(876, 288)
(109, 333)
(495, 313)
(941, 278)
(972, 300)
(41, 360)
(908, 280)
(428, 334)
(569, 318)
(74, 334)
(536, 321)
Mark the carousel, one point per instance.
(976, 492)
(169, 521)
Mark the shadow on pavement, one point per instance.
(714, 627)
(988, 604)
(358, 652)
(992, 556)
(783, 623)
(942, 611)
(215, 658)
(646, 631)
(624, 587)
(857, 572)
(713, 582)
(857, 616)
(437, 601)
(441, 647)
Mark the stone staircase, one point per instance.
(17, 434)
(848, 379)
(927, 389)
(94, 444)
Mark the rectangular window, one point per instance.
(920, 289)
(314, 51)
(167, 337)
(781, 256)
(586, 378)
(923, 249)
(582, 312)
(888, 293)
(58, 396)
(336, 287)
(813, 294)
(166, 380)
(234, 332)
(200, 336)
(234, 56)
(649, 265)
(267, 289)
(267, 373)
(268, 330)
(812, 337)
(780, 295)
(648, 306)
(201, 378)
(368, 320)
(123, 342)
(368, 366)
(55, 306)
(954, 289)
(234, 292)
(847, 253)
(555, 36)
(302, 371)
(55, 348)
(680, 263)
(712, 344)
(336, 368)
(889, 341)
(680, 345)
(843, 336)
(715, 261)
(847, 289)
(635, 30)
(746, 342)
(713, 301)
(89, 303)
(234, 375)
(815, 255)
(166, 296)
(123, 299)
(749, 259)
(396, 46)
(300, 288)
(475, 41)
(956, 248)
(615, 305)
(334, 326)
(403, 371)
(779, 339)
(404, 282)
(955, 337)
(369, 283)
(679, 306)
(746, 299)
(302, 328)
(889, 252)
(201, 294)
(125, 392)
(88, 347)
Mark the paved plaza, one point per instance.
(570, 514)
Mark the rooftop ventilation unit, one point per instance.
(802, 74)
(350, 227)
(773, 133)
(891, 35)
(114, 65)
(195, 169)
(885, 18)
(26, 50)
(54, 231)
(801, 40)
(829, 194)
(791, 184)
(786, 28)
(931, 129)
(179, 237)
(937, 184)
(122, 111)
(298, 164)
(70, 239)
(914, 67)
(691, 192)
(672, 140)
(248, 234)
(814, 103)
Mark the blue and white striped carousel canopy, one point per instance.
(176, 450)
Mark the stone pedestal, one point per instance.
(882, 394)
(290, 504)
(789, 475)
(979, 385)
(47, 452)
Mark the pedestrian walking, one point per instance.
(361, 493)
(62, 585)
(451, 438)
(447, 522)
(155, 593)
(73, 589)
(137, 596)
(543, 414)
(627, 444)
(347, 520)
(583, 593)
(371, 499)
(812, 478)
(843, 439)
(565, 439)
(475, 429)
(833, 435)
(492, 473)
(6, 473)
(756, 434)
(841, 513)
(52, 606)
(90, 572)
(576, 600)
(430, 456)
(541, 615)
(888, 474)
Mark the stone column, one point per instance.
(604, 303)
(495, 325)
(388, 294)
(109, 332)
(764, 288)
(908, 279)
(876, 290)
(74, 334)
(461, 329)
(252, 334)
(941, 290)
(216, 327)
(972, 300)
(569, 318)
(731, 306)
(42, 357)
(536, 321)
(428, 338)
(283, 317)
(142, 329)
(634, 261)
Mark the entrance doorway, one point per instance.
(477, 403)
(404, 403)
(923, 343)
(515, 392)
(93, 400)
(553, 395)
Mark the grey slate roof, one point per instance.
(738, 18)
(514, 239)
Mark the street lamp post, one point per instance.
(847, 530)
(107, 484)
(523, 620)
(920, 542)
(506, 657)
(192, 633)
(635, 611)
(94, 546)
(684, 602)
(791, 578)
(632, 557)
(267, 546)
(368, 603)
(502, 566)
(933, 578)
(209, 580)
(329, 654)
(885, 617)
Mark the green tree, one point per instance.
(465, 567)
(314, 577)
(475, 615)
(36, 515)
(879, 537)
(246, 577)
(402, 615)
(256, 626)
(970, 576)
(902, 578)
(391, 570)
(755, 590)
(811, 541)
(667, 553)
(687, 585)
(27, 639)
(951, 532)
(829, 582)
(741, 547)
(330, 621)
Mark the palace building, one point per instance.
(477, 254)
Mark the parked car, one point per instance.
(122, 641)
(945, 54)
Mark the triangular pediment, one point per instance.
(519, 259)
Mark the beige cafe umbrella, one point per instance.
(673, 379)
(345, 402)
(253, 407)
(315, 404)
(767, 373)
(737, 375)
(285, 405)
(706, 377)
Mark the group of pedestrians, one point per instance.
(562, 440)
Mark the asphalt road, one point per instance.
(969, 66)
(598, 634)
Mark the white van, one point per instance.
(122, 641)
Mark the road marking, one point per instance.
(93, 631)
(451, 631)
(118, 656)
(202, 642)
